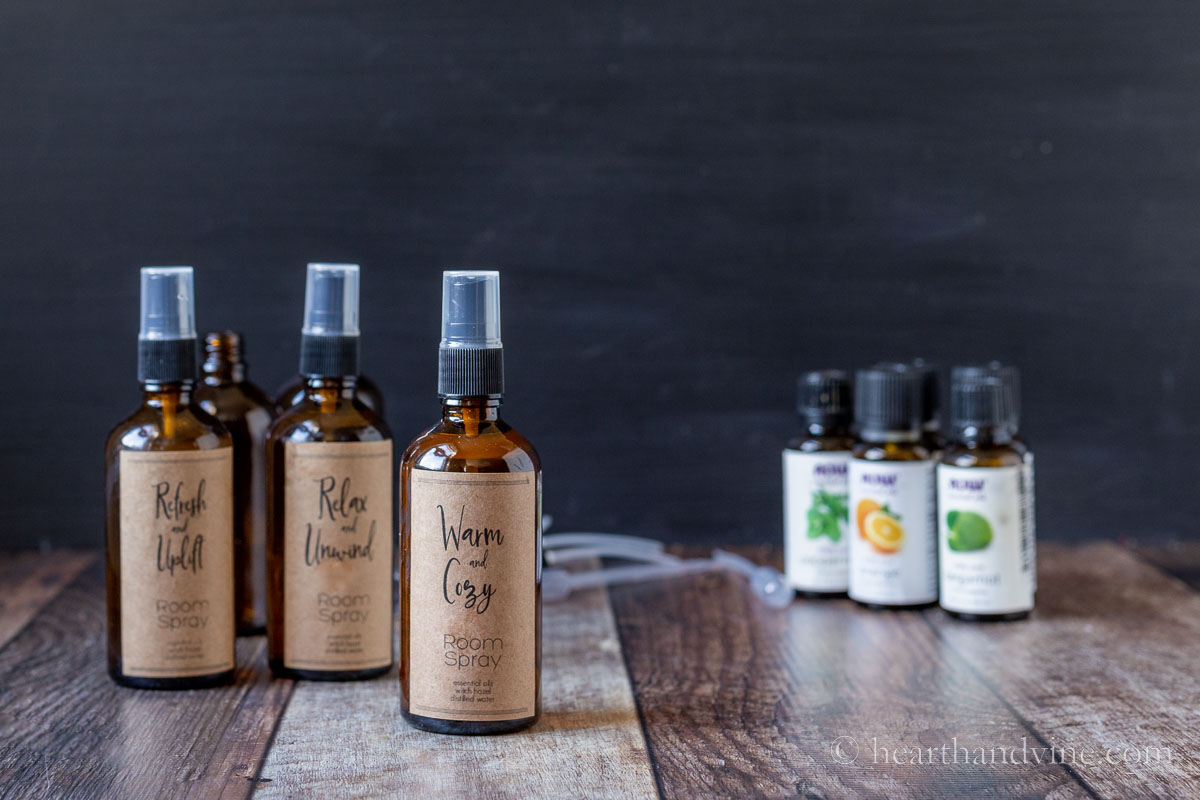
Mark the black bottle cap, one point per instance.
(1007, 374)
(980, 401)
(887, 398)
(823, 397)
(930, 389)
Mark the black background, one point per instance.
(690, 202)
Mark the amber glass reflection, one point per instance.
(365, 390)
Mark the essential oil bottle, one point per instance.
(985, 532)
(245, 410)
(294, 391)
(471, 538)
(816, 501)
(330, 521)
(169, 490)
(1010, 377)
(893, 549)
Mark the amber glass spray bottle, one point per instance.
(226, 392)
(471, 537)
(330, 516)
(169, 491)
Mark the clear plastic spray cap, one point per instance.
(168, 304)
(331, 300)
(471, 308)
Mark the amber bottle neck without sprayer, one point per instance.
(223, 364)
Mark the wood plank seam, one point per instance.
(270, 743)
(1017, 715)
(637, 700)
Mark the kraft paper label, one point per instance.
(177, 617)
(474, 557)
(337, 555)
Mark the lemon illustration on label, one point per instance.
(968, 531)
(880, 526)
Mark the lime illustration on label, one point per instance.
(828, 515)
(969, 531)
(880, 526)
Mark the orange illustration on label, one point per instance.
(880, 526)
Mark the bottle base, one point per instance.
(874, 606)
(174, 684)
(462, 727)
(1011, 616)
(280, 671)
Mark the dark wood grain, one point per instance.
(69, 731)
(1094, 696)
(738, 700)
(30, 581)
(1106, 667)
(1178, 558)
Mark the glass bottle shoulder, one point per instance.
(1011, 454)
(350, 420)
(496, 447)
(189, 428)
(234, 401)
(821, 444)
(891, 451)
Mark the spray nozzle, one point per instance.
(471, 308)
(331, 300)
(168, 304)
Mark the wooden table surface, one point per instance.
(681, 689)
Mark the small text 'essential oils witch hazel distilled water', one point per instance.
(893, 549)
(329, 507)
(226, 392)
(470, 595)
(815, 497)
(169, 483)
(986, 533)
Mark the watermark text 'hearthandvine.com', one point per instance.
(846, 750)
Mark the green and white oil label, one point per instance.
(986, 542)
(816, 514)
(893, 543)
